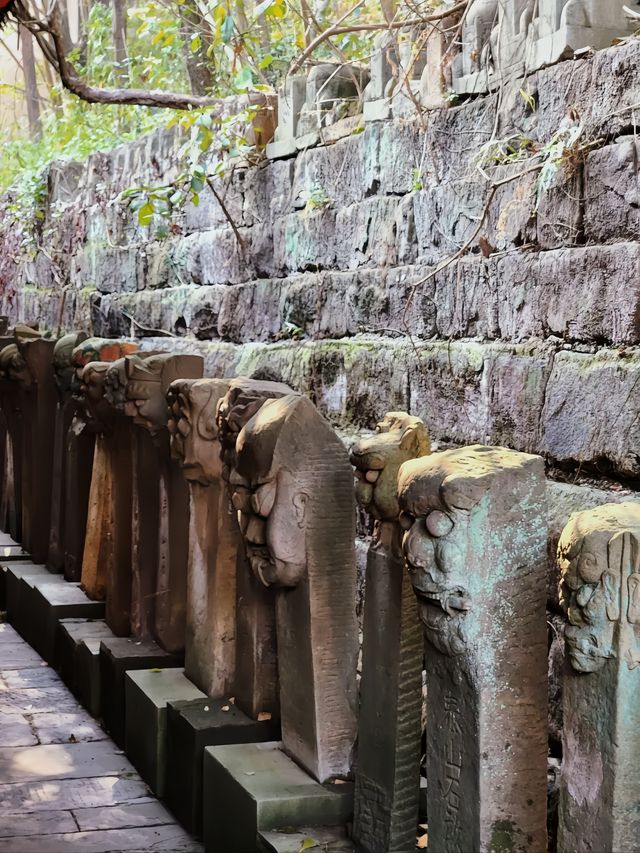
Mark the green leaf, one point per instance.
(308, 844)
(226, 30)
(145, 214)
(196, 44)
(266, 61)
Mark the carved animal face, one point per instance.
(13, 366)
(91, 393)
(115, 385)
(269, 492)
(435, 549)
(377, 460)
(145, 401)
(272, 518)
(192, 426)
(599, 559)
(64, 370)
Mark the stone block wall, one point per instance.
(508, 317)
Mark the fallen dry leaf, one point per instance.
(264, 715)
(225, 708)
(307, 844)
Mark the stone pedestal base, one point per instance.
(54, 599)
(16, 554)
(192, 726)
(327, 840)
(88, 678)
(249, 788)
(146, 695)
(71, 633)
(378, 110)
(117, 656)
(17, 591)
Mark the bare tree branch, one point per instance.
(337, 30)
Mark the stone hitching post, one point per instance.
(10, 402)
(293, 484)
(65, 411)
(475, 547)
(106, 558)
(256, 676)
(29, 363)
(298, 521)
(599, 557)
(210, 647)
(147, 382)
(388, 766)
(93, 416)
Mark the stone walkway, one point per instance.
(64, 785)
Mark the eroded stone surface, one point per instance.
(389, 726)
(475, 548)
(294, 494)
(599, 559)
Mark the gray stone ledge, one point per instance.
(569, 406)
(587, 294)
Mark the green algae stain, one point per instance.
(502, 837)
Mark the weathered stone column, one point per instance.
(475, 546)
(147, 383)
(32, 369)
(256, 681)
(388, 765)
(298, 520)
(106, 538)
(599, 556)
(65, 411)
(9, 400)
(214, 538)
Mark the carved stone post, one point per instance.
(147, 383)
(298, 520)
(388, 766)
(210, 646)
(12, 411)
(32, 369)
(65, 411)
(256, 681)
(106, 547)
(599, 556)
(475, 547)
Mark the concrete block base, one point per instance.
(327, 840)
(17, 591)
(88, 676)
(251, 788)
(147, 693)
(9, 554)
(53, 600)
(71, 633)
(192, 726)
(117, 656)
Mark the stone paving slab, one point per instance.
(37, 700)
(40, 823)
(71, 727)
(118, 817)
(165, 838)
(15, 730)
(24, 679)
(56, 794)
(65, 786)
